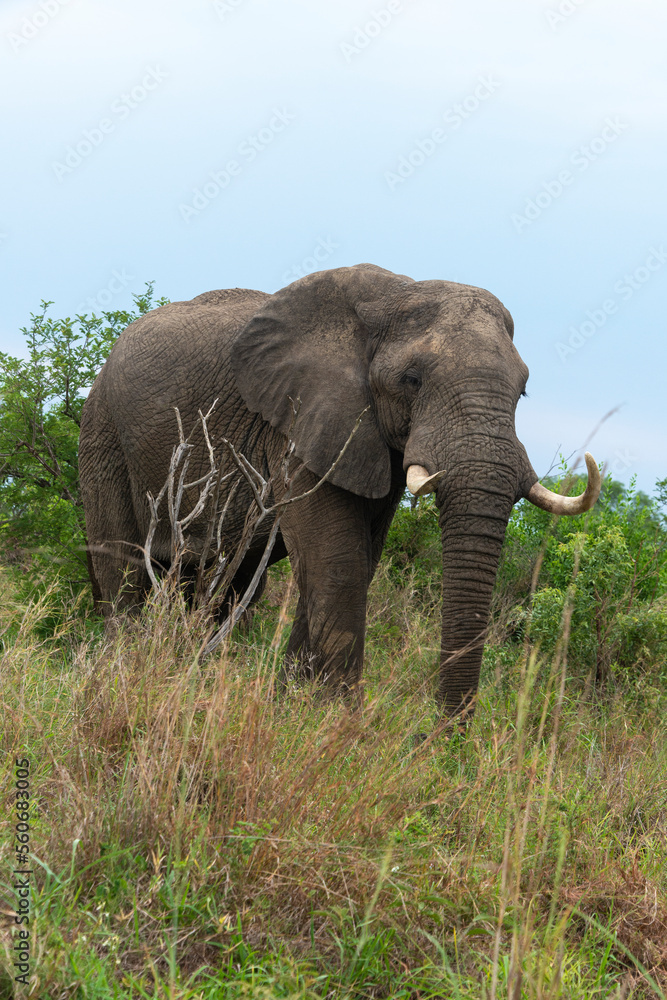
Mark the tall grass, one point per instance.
(197, 833)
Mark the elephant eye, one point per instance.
(412, 379)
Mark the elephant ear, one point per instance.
(308, 347)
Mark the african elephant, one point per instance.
(435, 364)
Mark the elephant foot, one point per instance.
(299, 668)
(306, 667)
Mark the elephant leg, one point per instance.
(382, 511)
(238, 589)
(114, 551)
(120, 580)
(335, 540)
(298, 655)
(97, 592)
(328, 538)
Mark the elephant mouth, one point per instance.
(421, 482)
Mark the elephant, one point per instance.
(432, 368)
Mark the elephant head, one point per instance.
(435, 364)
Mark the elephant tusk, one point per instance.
(419, 481)
(556, 504)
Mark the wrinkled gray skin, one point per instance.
(436, 362)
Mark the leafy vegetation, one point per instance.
(41, 397)
(195, 834)
(618, 626)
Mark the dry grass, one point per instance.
(197, 835)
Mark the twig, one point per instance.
(213, 586)
(325, 478)
(242, 606)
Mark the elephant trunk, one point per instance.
(473, 528)
(474, 507)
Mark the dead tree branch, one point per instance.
(216, 568)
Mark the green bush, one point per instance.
(413, 547)
(619, 551)
(642, 639)
(618, 623)
(41, 398)
(546, 616)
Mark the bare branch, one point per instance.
(247, 471)
(181, 437)
(217, 570)
(178, 465)
(220, 559)
(153, 504)
(241, 607)
(204, 424)
(327, 474)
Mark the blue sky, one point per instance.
(519, 146)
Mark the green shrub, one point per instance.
(41, 398)
(413, 545)
(620, 552)
(545, 619)
(642, 639)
